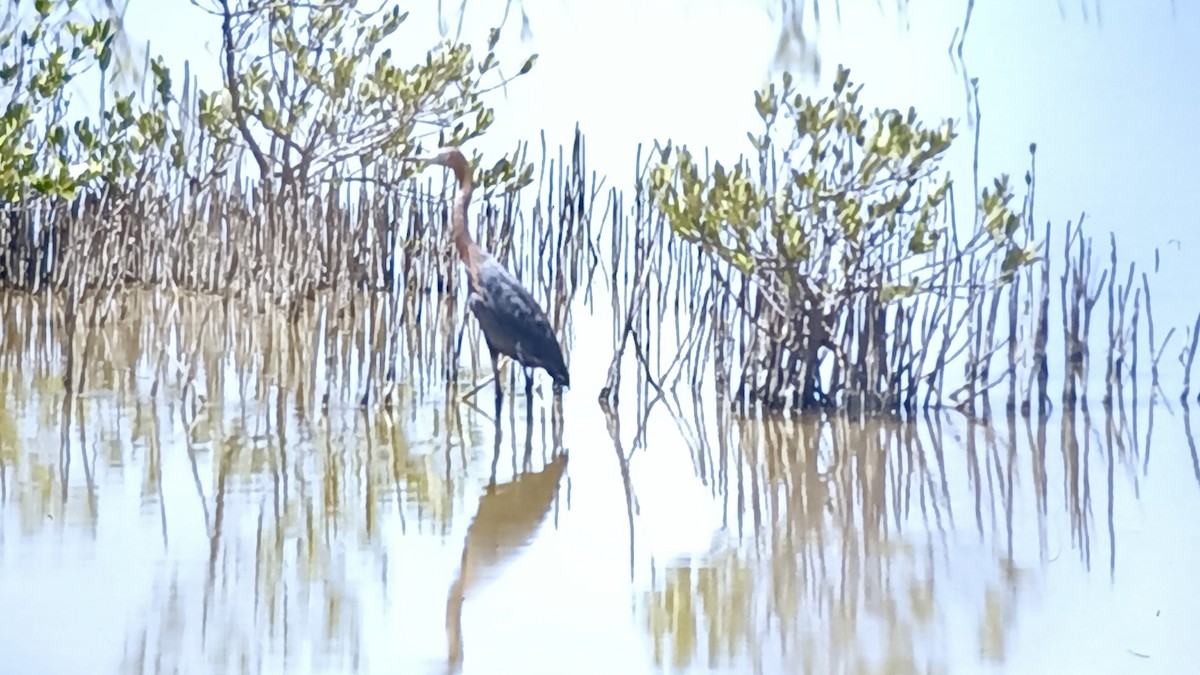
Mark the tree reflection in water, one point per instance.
(848, 553)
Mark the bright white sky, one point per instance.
(1108, 103)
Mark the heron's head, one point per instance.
(449, 157)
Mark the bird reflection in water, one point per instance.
(506, 520)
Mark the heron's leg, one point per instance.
(528, 418)
(496, 374)
(496, 453)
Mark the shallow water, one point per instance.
(239, 528)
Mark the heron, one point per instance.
(512, 322)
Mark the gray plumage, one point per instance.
(512, 322)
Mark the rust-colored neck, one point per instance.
(468, 250)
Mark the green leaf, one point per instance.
(840, 81)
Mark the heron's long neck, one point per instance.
(468, 250)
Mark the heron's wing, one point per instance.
(513, 320)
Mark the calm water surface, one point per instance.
(234, 527)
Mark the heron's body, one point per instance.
(511, 321)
